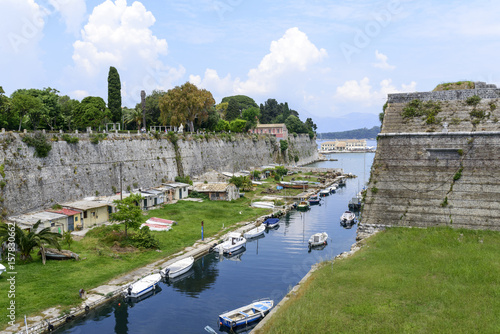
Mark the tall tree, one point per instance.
(243, 102)
(24, 104)
(114, 95)
(185, 104)
(128, 212)
(251, 115)
(91, 112)
(233, 112)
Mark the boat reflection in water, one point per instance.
(347, 225)
(131, 301)
(240, 329)
(234, 256)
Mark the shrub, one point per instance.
(144, 239)
(40, 143)
(97, 137)
(184, 179)
(473, 100)
(283, 145)
(195, 194)
(69, 139)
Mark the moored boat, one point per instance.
(255, 232)
(2, 268)
(303, 206)
(347, 217)
(314, 199)
(293, 185)
(271, 222)
(246, 314)
(318, 239)
(231, 243)
(324, 192)
(178, 268)
(142, 286)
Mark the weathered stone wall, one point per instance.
(73, 171)
(422, 176)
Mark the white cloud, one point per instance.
(72, 12)
(382, 61)
(119, 35)
(21, 23)
(362, 92)
(290, 56)
(79, 94)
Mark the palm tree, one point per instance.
(133, 115)
(26, 241)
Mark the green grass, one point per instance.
(436, 280)
(57, 283)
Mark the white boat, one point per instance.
(324, 192)
(142, 286)
(2, 269)
(178, 268)
(347, 217)
(263, 205)
(271, 222)
(246, 314)
(318, 239)
(159, 224)
(332, 188)
(231, 243)
(253, 233)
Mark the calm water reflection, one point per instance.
(268, 267)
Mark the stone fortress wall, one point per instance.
(446, 172)
(74, 171)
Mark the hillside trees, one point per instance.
(114, 95)
(185, 104)
(26, 105)
(251, 115)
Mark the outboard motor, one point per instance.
(129, 290)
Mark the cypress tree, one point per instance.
(114, 95)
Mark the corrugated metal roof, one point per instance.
(85, 205)
(64, 211)
(211, 187)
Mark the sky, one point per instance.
(333, 61)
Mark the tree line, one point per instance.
(36, 109)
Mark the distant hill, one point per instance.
(363, 133)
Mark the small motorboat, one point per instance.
(314, 199)
(142, 286)
(318, 239)
(271, 222)
(159, 224)
(332, 188)
(63, 254)
(253, 233)
(246, 314)
(324, 192)
(178, 268)
(303, 206)
(347, 217)
(231, 243)
(2, 269)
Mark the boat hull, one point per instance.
(246, 314)
(254, 233)
(178, 268)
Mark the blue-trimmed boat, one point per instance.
(271, 222)
(314, 199)
(142, 286)
(246, 314)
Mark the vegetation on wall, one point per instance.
(40, 143)
(426, 110)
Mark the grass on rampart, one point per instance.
(57, 283)
(436, 280)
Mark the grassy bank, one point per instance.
(57, 283)
(437, 280)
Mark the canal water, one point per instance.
(269, 267)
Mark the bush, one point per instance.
(40, 143)
(184, 179)
(283, 145)
(144, 239)
(473, 100)
(97, 137)
(69, 139)
(195, 194)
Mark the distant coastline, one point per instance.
(364, 133)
